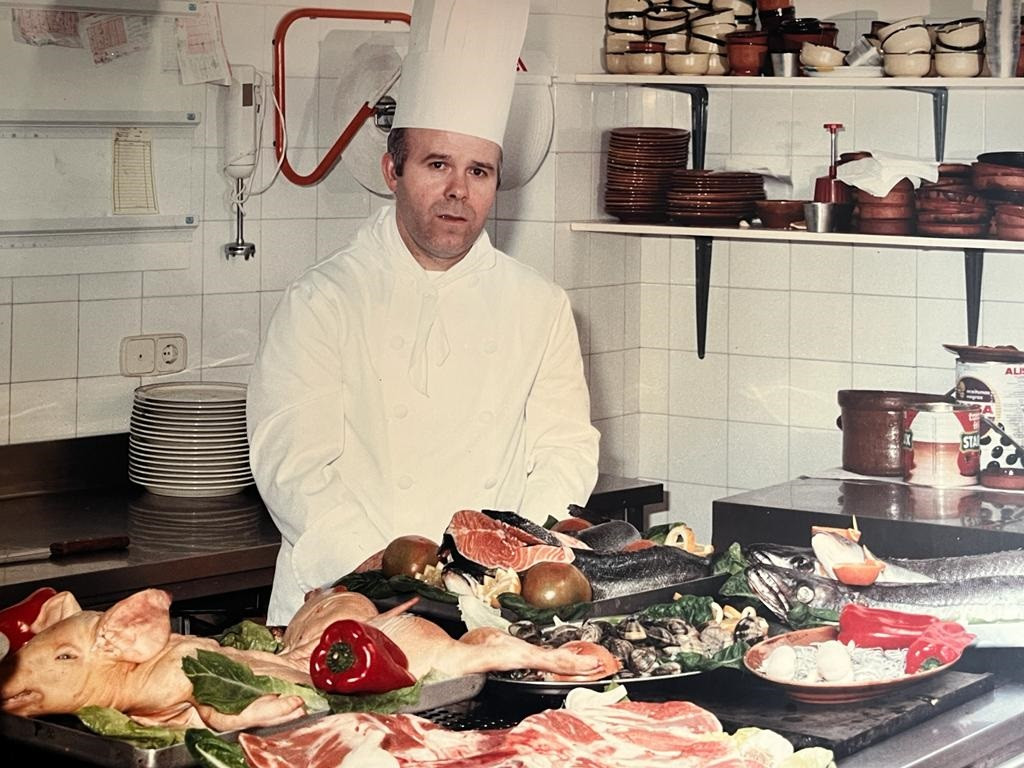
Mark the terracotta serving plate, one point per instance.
(827, 693)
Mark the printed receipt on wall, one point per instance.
(200, 45)
(133, 172)
(111, 37)
(39, 27)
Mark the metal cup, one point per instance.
(785, 64)
(827, 217)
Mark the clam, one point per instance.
(714, 638)
(525, 630)
(642, 660)
(667, 668)
(618, 647)
(595, 631)
(750, 628)
(660, 636)
(562, 634)
(631, 629)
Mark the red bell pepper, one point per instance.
(353, 657)
(16, 620)
(939, 644)
(880, 628)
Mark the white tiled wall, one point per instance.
(788, 325)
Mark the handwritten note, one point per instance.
(133, 172)
(201, 54)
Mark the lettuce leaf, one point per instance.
(230, 686)
(249, 636)
(384, 703)
(695, 609)
(211, 751)
(109, 722)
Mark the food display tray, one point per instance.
(610, 606)
(65, 735)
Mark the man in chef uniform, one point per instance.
(420, 371)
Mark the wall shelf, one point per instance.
(96, 117)
(804, 82)
(118, 7)
(16, 228)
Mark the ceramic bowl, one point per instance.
(709, 19)
(615, 63)
(884, 31)
(779, 214)
(618, 42)
(660, 19)
(907, 64)
(692, 63)
(703, 41)
(958, 63)
(908, 40)
(626, 23)
(812, 55)
(627, 6)
(739, 7)
(675, 42)
(962, 33)
(645, 62)
(718, 64)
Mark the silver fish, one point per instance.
(960, 567)
(831, 549)
(973, 601)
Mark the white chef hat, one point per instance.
(460, 70)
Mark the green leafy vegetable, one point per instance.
(550, 522)
(737, 586)
(214, 752)
(732, 561)
(230, 686)
(730, 657)
(659, 533)
(249, 636)
(377, 586)
(109, 722)
(696, 609)
(803, 616)
(385, 703)
(524, 611)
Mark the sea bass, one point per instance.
(612, 574)
(971, 601)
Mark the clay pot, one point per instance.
(872, 425)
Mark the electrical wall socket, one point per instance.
(153, 354)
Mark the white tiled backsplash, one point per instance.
(788, 325)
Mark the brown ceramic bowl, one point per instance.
(779, 214)
(885, 211)
(886, 227)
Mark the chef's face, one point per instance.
(444, 193)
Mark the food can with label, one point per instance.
(993, 379)
(941, 444)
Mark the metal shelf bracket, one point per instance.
(698, 118)
(940, 108)
(974, 262)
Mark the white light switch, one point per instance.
(138, 355)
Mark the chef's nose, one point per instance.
(457, 189)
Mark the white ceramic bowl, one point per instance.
(673, 18)
(618, 42)
(812, 55)
(739, 7)
(626, 23)
(962, 33)
(645, 63)
(627, 6)
(958, 63)
(687, 63)
(908, 40)
(675, 42)
(709, 19)
(718, 64)
(888, 29)
(615, 63)
(712, 43)
(907, 64)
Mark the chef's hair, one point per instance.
(400, 152)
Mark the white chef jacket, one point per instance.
(385, 398)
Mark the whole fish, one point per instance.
(613, 574)
(611, 536)
(973, 601)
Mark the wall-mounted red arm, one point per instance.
(365, 111)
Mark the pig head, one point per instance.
(79, 658)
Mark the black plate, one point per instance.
(610, 606)
(660, 683)
(1015, 159)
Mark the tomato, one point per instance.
(570, 525)
(858, 574)
(549, 585)
(408, 555)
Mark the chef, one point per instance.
(419, 370)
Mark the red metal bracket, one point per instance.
(365, 111)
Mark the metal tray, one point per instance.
(67, 736)
(611, 606)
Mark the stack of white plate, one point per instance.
(188, 439)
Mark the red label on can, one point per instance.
(941, 444)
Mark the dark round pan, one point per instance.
(1015, 159)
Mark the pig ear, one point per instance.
(137, 628)
(57, 608)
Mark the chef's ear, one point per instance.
(137, 628)
(57, 608)
(389, 171)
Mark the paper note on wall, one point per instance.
(201, 54)
(41, 27)
(133, 172)
(111, 37)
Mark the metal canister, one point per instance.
(940, 443)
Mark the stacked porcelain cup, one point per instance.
(960, 48)
(625, 23)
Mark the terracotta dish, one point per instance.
(779, 214)
(827, 693)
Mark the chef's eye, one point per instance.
(66, 656)
(437, 164)
(480, 172)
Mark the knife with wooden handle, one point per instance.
(64, 549)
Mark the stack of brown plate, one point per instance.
(1008, 223)
(714, 198)
(890, 214)
(953, 177)
(948, 211)
(999, 176)
(640, 163)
